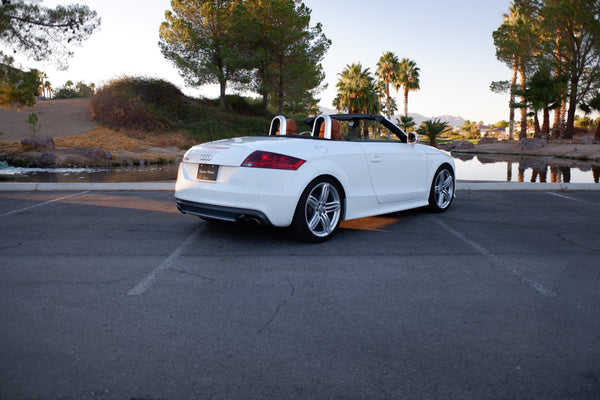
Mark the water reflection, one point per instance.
(148, 173)
(525, 169)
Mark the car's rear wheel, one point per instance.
(442, 189)
(319, 211)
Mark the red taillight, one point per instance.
(263, 159)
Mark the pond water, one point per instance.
(503, 168)
(495, 168)
(147, 173)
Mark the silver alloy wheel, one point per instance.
(443, 188)
(323, 209)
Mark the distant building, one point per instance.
(484, 130)
(501, 133)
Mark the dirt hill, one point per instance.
(68, 123)
(57, 118)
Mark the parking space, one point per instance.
(115, 295)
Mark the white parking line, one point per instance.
(41, 204)
(538, 287)
(569, 198)
(153, 276)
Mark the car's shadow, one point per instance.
(351, 230)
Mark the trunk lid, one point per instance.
(232, 152)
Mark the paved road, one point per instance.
(114, 295)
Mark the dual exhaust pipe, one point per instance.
(249, 220)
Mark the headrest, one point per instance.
(291, 127)
(322, 129)
(335, 130)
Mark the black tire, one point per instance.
(442, 189)
(319, 211)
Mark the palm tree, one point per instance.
(516, 40)
(42, 76)
(405, 123)
(432, 128)
(387, 72)
(593, 105)
(507, 32)
(47, 89)
(543, 92)
(356, 90)
(408, 79)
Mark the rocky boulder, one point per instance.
(487, 140)
(97, 153)
(44, 141)
(532, 144)
(46, 160)
(460, 145)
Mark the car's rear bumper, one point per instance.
(223, 213)
(269, 197)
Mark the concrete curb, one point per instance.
(507, 186)
(87, 186)
(169, 186)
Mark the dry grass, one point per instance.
(113, 140)
(127, 147)
(11, 147)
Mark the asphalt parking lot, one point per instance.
(115, 295)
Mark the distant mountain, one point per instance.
(418, 118)
(325, 110)
(452, 120)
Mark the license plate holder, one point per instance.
(207, 172)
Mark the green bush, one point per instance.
(241, 105)
(139, 103)
(206, 123)
(80, 91)
(66, 93)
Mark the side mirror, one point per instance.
(413, 138)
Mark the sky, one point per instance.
(451, 42)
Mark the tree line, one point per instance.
(358, 90)
(553, 50)
(266, 46)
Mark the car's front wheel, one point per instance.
(442, 190)
(319, 211)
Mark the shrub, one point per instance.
(66, 93)
(145, 104)
(80, 91)
(139, 103)
(240, 105)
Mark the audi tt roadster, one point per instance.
(347, 166)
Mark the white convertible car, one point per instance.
(349, 166)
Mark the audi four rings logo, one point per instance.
(205, 156)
